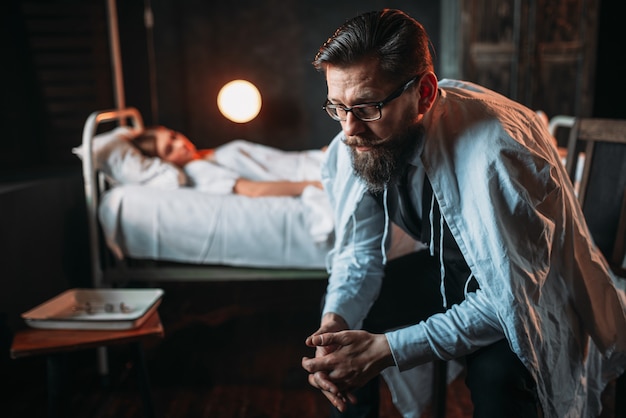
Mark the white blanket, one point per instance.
(189, 226)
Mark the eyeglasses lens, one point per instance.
(366, 113)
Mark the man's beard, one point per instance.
(385, 163)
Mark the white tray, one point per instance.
(95, 309)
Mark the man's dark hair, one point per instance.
(396, 40)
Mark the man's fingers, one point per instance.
(317, 364)
(310, 365)
(320, 380)
(338, 402)
(328, 338)
(329, 390)
(317, 340)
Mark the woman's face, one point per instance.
(174, 147)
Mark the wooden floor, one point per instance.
(231, 350)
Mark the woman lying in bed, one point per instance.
(239, 167)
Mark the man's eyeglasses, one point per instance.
(366, 112)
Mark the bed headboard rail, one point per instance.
(94, 181)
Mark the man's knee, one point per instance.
(500, 385)
(410, 293)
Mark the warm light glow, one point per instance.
(239, 101)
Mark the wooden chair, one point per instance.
(603, 180)
(57, 343)
(602, 195)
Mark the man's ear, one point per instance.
(428, 91)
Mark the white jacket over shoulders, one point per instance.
(512, 210)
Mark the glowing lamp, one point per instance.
(239, 101)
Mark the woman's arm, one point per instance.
(272, 188)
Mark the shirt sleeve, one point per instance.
(357, 264)
(459, 331)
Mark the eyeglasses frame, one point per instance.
(379, 105)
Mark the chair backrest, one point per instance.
(603, 182)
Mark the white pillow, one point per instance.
(123, 163)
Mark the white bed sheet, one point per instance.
(188, 226)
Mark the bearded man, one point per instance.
(510, 283)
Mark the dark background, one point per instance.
(57, 68)
(202, 45)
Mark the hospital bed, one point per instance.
(152, 230)
(144, 225)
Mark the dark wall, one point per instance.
(43, 243)
(610, 67)
(55, 72)
(199, 46)
(57, 69)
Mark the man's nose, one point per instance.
(352, 125)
